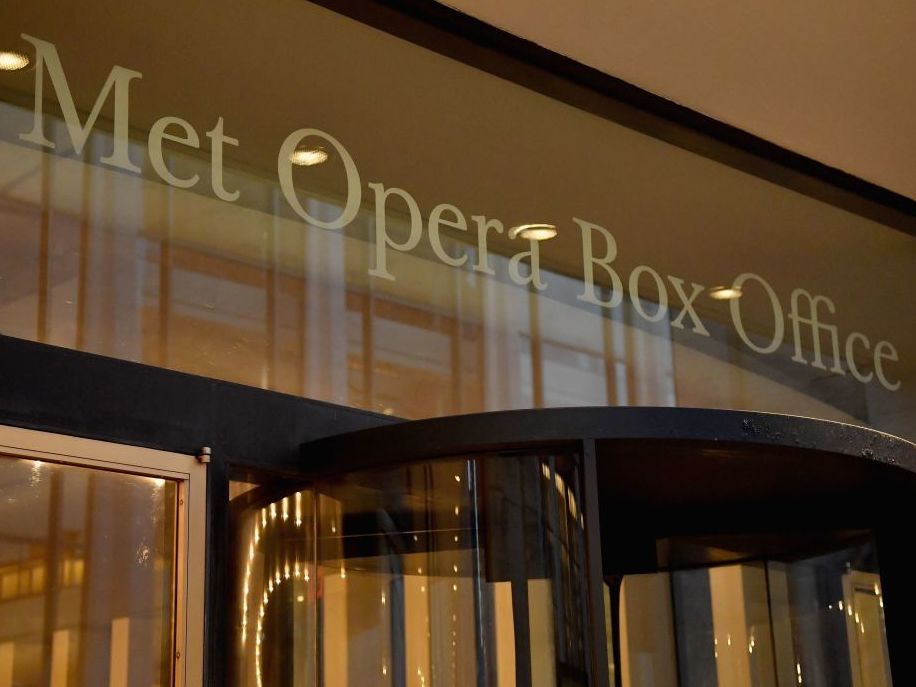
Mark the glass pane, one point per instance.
(87, 561)
(457, 572)
(194, 256)
(801, 621)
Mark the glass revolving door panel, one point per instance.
(814, 620)
(452, 572)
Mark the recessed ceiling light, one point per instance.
(308, 157)
(12, 61)
(533, 232)
(725, 293)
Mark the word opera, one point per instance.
(599, 248)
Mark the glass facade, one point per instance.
(158, 206)
(276, 195)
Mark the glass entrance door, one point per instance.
(570, 548)
(799, 619)
(460, 571)
(96, 555)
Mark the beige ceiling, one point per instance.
(835, 81)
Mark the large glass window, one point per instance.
(163, 232)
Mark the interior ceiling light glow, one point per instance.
(308, 157)
(12, 61)
(533, 232)
(725, 293)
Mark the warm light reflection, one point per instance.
(13, 61)
(533, 232)
(725, 293)
(308, 157)
(290, 571)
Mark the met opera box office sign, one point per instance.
(276, 197)
(238, 213)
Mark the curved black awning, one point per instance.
(776, 482)
(548, 427)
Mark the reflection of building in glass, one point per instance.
(122, 266)
(86, 575)
(357, 343)
(437, 573)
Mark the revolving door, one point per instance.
(455, 572)
(575, 547)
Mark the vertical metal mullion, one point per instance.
(559, 593)
(520, 570)
(678, 665)
(766, 575)
(478, 573)
(615, 586)
(319, 600)
(599, 676)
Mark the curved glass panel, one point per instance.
(784, 621)
(455, 572)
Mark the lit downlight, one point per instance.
(533, 232)
(725, 293)
(12, 61)
(308, 157)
